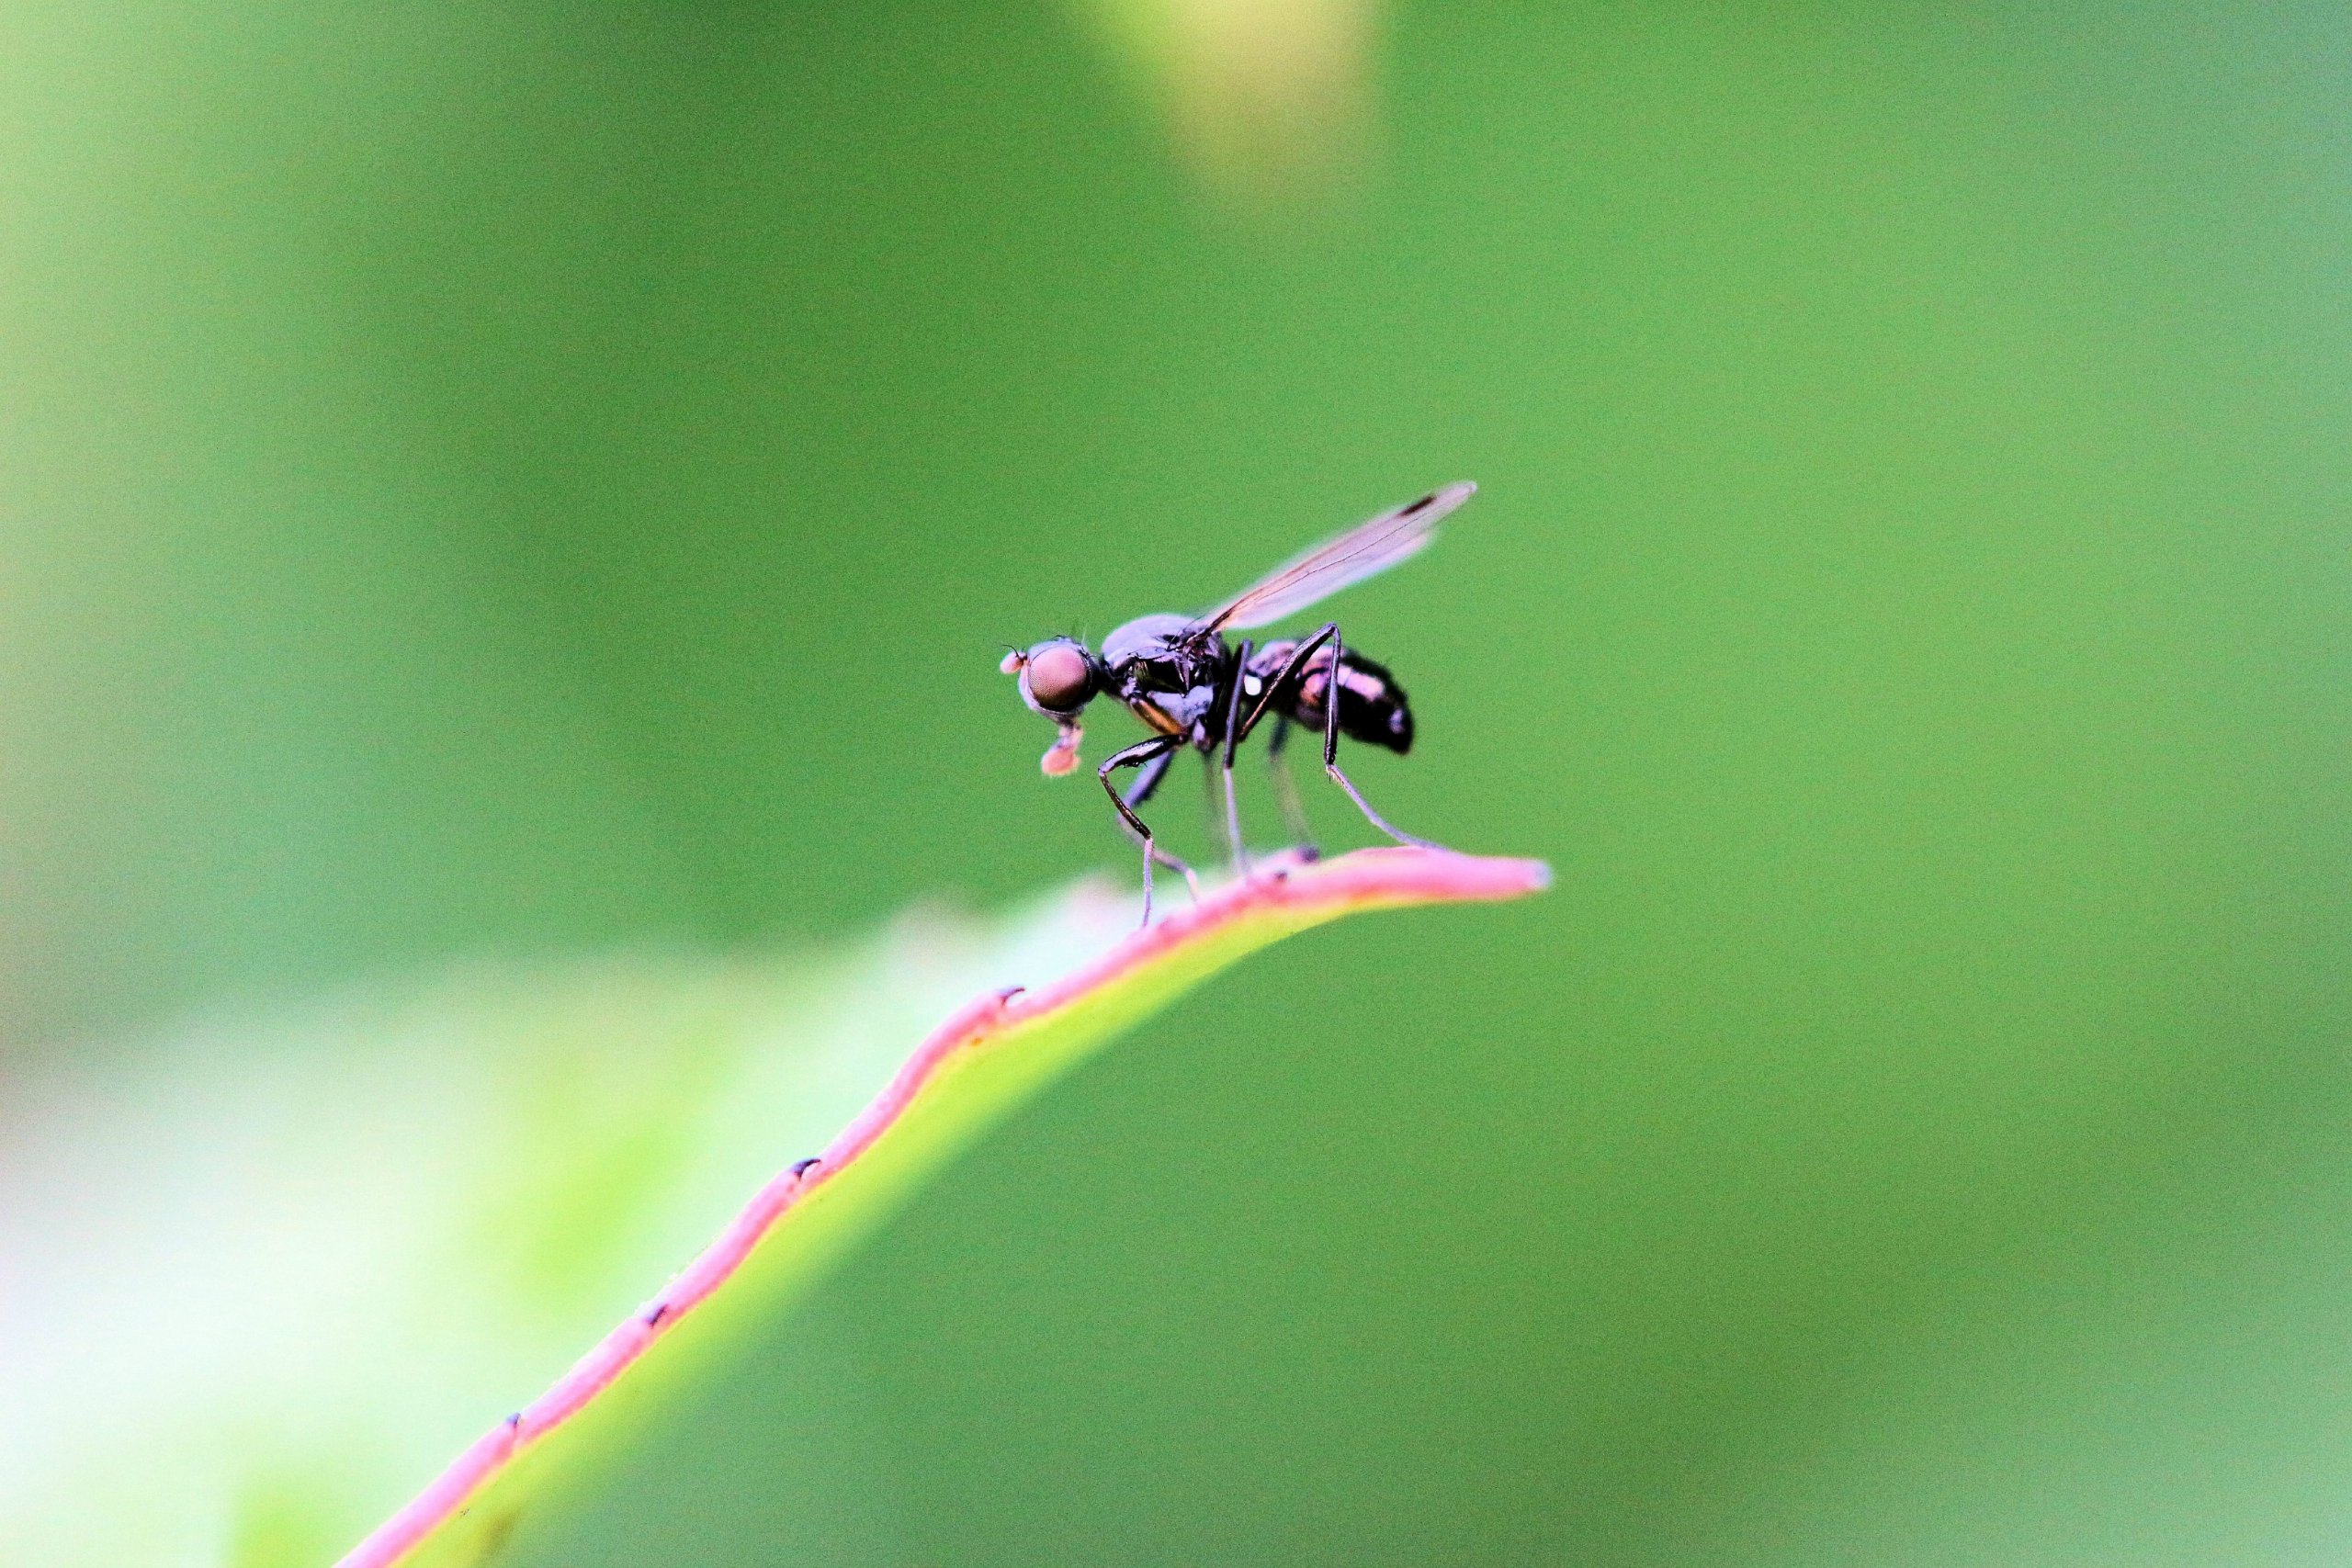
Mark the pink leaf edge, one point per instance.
(1373, 878)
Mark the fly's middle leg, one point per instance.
(1287, 788)
(1232, 741)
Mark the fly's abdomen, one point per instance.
(1373, 707)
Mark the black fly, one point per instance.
(1192, 688)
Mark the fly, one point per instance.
(1193, 688)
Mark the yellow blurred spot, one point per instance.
(1265, 98)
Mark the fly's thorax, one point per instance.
(1161, 653)
(1148, 640)
(1169, 670)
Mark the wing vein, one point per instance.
(1347, 558)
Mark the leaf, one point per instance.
(269, 1270)
(991, 1055)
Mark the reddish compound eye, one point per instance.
(1057, 677)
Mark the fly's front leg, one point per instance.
(1331, 746)
(1143, 754)
(1148, 780)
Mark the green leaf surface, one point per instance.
(269, 1272)
(278, 1267)
(266, 1273)
(989, 1056)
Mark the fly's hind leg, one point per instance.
(1331, 748)
(1294, 670)
(1152, 756)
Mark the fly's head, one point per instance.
(1059, 678)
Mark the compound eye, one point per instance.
(1058, 676)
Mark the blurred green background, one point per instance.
(528, 480)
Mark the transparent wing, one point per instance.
(1366, 548)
